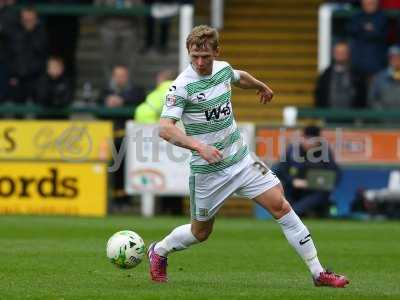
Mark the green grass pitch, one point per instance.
(64, 258)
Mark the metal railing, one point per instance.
(96, 111)
(351, 115)
(89, 10)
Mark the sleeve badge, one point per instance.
(170, 100)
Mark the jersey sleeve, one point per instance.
(235, 75)
(174, 103)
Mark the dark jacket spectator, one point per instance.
(8, 22)
(63, 33)
(120, 91)
(293, 169)
(161, 15)
(29, 46)
(119, 36)
(339, 86)
(28, 50)
(384, 92)
(368, 31)
(54, 88)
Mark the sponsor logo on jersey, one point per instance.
(199, 98)
(216, 113)
(172, 88)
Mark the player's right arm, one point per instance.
(247, 81)
(172, 134)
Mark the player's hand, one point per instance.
(210, 153)
(265, 94)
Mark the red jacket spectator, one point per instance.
(390, 4)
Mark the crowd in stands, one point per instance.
(364, 73)
(365, 68)
(38, 53)
(309, 173)
(38, 62)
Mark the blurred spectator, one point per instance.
(162, 12)
(118, 35)
(309, 173)
(368, 31)
(8, 22)
(384, 92)
(28, 55)
(54, 88)
(120, 90)
(339, 86)
(150, 110)
(63, 33)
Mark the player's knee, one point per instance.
(202, 234)
(280, 207)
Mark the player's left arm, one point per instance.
(247, 81)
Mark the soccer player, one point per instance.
(221, 163)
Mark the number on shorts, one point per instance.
(260, 166)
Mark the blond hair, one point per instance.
(202, 36)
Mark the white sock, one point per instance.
(299, 237)
(179, 239)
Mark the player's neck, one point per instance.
(203, 75)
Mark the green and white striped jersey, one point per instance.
(203, 103)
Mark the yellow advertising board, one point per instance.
(53, 188)
(72, 141)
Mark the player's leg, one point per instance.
(207, 194)
(203, 206)
(184, 236)
(295, 231)
(202, 229)
(297, 235)
(180, 238)
(204, 203)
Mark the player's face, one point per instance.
(202, 58)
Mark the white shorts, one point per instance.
(248, 178)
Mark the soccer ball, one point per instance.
(125, 249)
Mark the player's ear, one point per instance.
(217, 52)
(188, 49)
